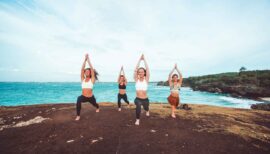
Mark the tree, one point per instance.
(242, 69)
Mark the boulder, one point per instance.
(162, 83)
(261, 106)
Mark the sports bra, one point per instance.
(141, 85)
(175, 88)
(87, 85)
(122, 86)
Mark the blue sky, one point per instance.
(45, 40)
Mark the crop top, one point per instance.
(141, 85)
(87, 85)
(122, 86)
(175, 88)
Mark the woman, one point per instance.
(175, 85)
(122, 83)
(88, 78)
(141, 77)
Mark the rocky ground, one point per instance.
(203, 129)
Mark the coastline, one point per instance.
(204, 129)
(244, 84)
(265, 99)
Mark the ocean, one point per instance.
(29, 93)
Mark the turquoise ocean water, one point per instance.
(28, 93)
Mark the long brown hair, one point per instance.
(95, 72)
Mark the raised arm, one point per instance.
(147, 69)
(180, 76)
(83, 66)
(136, 70)
(93, 79)
(119, 76)
(170, 75)
(124, 75)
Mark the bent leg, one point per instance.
(80, 99)
(119, 101)
(138, 108)
(125, 98)
(146, 105)
(93, 101)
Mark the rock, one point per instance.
(53, 135)
(162, 83)
(37, 119)
(234, 95)
(93, 141)
(70, 141)
(261, 106)
(17, 117)
(101, 138)
(2, 121)
(218, 90)
(153, 131)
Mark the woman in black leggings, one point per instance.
(88, 78)
(141, 77)
(122, 83)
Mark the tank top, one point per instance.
(87, 85)
(141, 85)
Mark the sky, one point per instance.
(46, 40)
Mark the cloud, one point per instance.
(51, 37)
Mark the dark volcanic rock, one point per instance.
(166, 83)
(162, 83)
(249, 84)
(261, 106)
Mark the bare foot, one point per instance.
(137, 122)
(173, 115)
(147, 113)
(97, 110)
(77, 118)
(119, 109)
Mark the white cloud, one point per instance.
(202, 38)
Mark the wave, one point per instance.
(238, 100)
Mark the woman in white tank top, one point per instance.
(88, 78)
(141, 77)
(175, 85)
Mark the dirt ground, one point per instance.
(204, 129)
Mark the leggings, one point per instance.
(139, 102)
(82, 99)
(124, 97)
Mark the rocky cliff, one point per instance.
(249, 84)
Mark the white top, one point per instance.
(87, 85)
(175, 88)
(141, 85)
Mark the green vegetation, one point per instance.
(259, 78)
(246, 83)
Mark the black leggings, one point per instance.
(124, 97)
(81, 99)
(139, 102)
